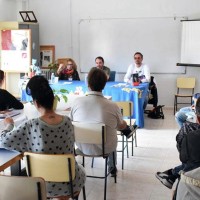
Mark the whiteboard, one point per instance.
(15, 50)
(190, 45)
(116, 40)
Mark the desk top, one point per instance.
(8, 158)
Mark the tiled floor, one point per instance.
(156, 151)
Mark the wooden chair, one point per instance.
(22, 188)
(53, 168)
(185, 89)
(93, 133)
(62, 61)
(127, 111)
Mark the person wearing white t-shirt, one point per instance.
(138, 67)
(142, 70)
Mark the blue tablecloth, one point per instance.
(118, 90)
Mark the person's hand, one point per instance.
(108, 76)
(8, 121)
(193, 107)
(9, 125)
(60, 68)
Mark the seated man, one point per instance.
(138, 67)
(100, 64)
(187, 113)
(94, 108)
(169, 176)
(142, 70)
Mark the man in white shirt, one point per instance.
(95, 108)
(143, 73)
(138, 67)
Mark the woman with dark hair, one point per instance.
(50, 133)
(7, 100)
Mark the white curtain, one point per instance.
(190, 45)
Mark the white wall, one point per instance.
(54, 21)
(59, 25)
(8, 10)
(138, 8)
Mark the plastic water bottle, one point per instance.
(86, 79)
(52, 78)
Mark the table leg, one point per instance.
(16, 169)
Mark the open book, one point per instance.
(135, 78)
(9, 113)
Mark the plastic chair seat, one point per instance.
(93, 133)
(185, 89)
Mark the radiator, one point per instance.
(46, 73)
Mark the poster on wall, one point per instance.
(47, 55)
(16, 50)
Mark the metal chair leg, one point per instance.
(135, 139)
(132, 144)
(114, 162)
(84, 195)
(123, 152)
(83, 161)
(105, 182)
(127, 148)
(174, 105)
(92, 162)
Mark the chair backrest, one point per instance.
(185, 82)
(188, 186)
(127, 108)
(22, 188)
(112, 76)
(51, 167)
(62, 61)
(90, 133)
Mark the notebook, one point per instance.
(9, 113)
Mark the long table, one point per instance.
(118, 90)
(9, 158)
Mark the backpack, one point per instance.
(156, 113)
(153, 94)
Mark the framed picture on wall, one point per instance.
(47, 55)
(16, 50)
